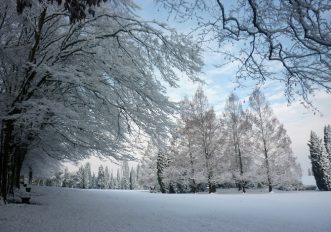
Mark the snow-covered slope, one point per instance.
(58, 209)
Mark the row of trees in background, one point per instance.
(71, 87)
(320, 156)
(84, 178)
(243, 148)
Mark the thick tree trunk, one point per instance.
(160, 181)
(8, 172)
(159, 166)
(19, 155)
(6, 154)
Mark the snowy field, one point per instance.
(69, 210)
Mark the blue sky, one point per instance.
(297, 120)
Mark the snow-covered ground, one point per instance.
(67, 210)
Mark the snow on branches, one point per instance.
(69, 90)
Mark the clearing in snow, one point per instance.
(70, 210)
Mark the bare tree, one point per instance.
(295, 34)
(272, 141)
(188, 141)
(206, 128)
(237, 126)
(148, 175)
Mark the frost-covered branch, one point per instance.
(295, 34)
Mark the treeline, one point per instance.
(84, 178)
(244, 148)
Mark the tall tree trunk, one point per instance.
(131, 181)
(19, 155)
(6, 154)
(159, 166)
(242, 182)
(267, 165)
(160, 181)
(211, 186)
(193, 183)
(7, 157)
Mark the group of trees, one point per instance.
(79, 77)
(320, 156)
(73, 83)
(243, 148)
(84, 178)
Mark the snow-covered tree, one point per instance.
(132, 179)
(205, 126)
(272, 141)
(65, 182)
(107, 178)
(161, 164)
(237, 127)
(82, 177)
(138, 176)
(68, 89)
(88, 174)
(181, 173)
(177, 174)
(76, 9)
(125, 180)
(118, 179)
(193, 153)
(112, 183)
(321, 165)
(148, 176)
(94, 184)
(101, 181)
(327, 141)
(188, 144)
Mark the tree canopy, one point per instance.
(68, 90)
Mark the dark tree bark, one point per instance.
(11, 153)
(160, 163)
(267, 166)
(77, 9)
(242, 182)
(193, 185)
(131, 181)
(6, 154)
